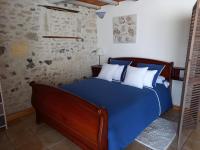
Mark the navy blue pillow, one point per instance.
(125, 63)
(157, 67)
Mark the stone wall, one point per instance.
(26, 56)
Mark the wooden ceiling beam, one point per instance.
(96, 2)
(93, 2)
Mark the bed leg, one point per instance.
(38, 118)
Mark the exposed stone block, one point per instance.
(2, 26)
(30, 64)
(32, 36)
(2, 50)
(19, 5)
(48, 62)
(3, 32)
(69, 57)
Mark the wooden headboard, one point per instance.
(167, 71)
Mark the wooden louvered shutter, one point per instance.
(191, 88)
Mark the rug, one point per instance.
(159, 135)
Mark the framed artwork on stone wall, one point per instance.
(124, 29)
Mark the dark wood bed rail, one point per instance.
(82, 122)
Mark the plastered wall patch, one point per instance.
(19, 48)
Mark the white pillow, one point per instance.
(107, 72)
(148, 78)
(166, 83)
(135, 76)
(160, 80)
(118, 73)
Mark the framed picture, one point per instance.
(124, 29)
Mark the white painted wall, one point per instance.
(162, 32)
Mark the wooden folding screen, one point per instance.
(191, 88)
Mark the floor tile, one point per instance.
(65, 145)
(25, 134)
(135, 146)
(173, 145)
(48, 136)
(30, 123)
(172, 115)
(192, 144)
(195, 135)
(5, 143)
(19, 136)
(31, 144)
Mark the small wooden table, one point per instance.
(178, 73)
(95, 70)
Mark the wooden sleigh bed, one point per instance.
(82, 122)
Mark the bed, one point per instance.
(100, 115)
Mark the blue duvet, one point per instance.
(130, 110)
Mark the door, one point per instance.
(191, 87)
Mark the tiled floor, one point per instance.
(25, 134)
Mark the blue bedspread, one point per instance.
(130, 110)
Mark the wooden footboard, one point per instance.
(82, 122)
